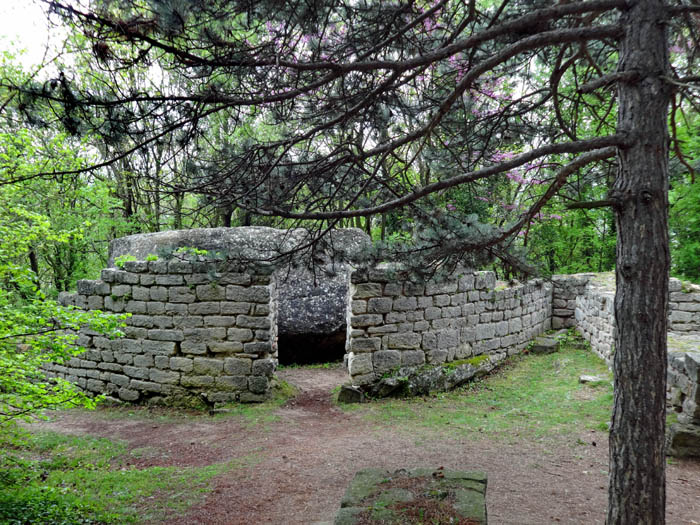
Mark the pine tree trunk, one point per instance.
(637, 492)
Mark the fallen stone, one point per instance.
(350, 394)
(584, 379)
(544, 345)
(683, 441)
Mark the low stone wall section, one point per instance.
(206, 328)
(394, 322)
(595, 320)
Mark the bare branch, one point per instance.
(609, 80)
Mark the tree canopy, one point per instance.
(468, 126)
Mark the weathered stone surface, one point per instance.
(371, 492)
(545, 345)
(683, 440)
(350, 394)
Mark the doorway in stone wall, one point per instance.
(311, 318)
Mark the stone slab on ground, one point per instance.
(545, 345)
(419, 495)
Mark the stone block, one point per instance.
(405, 303)
(386, 360)
(447, 339)
(248, 294)
(181, 294)
(231, 382)
(379, 305)
(225, 347)
(437, 356)
(217, 333)
(95, 302)
(143, 360)
(129, 346)
(258, 384)
(437, 288)
(246, 321)
(157, 334)
(158, 293)
(210, 292)
(366, 290)
(136, 372)
(127, 394)
(383, 329)
(147, 279)
(365, 344)
(359, 307)
(257, 347)
(406, 340)
(183, 364)
(433, 312)
(466, 283)
(158, 347)
(412, 358)
(263, 367)
(119, 380)
(360, 364)
(193, 347)
(207, 366)
(392, 289)
(236, 308)
(413, 288)
(164, 376)
(396, 317)
(135, 307)
(366, 320)
(155, 308)
(237, 366)
(441, 300)
(235, 278)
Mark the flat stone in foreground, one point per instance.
(414, 496)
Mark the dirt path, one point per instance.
(297, 467)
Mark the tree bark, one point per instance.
(637, 485)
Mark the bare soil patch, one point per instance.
(295, 469)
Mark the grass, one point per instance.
(529, 397)
(51, 478)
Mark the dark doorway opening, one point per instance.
(309, 349)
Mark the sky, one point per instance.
(23, 24)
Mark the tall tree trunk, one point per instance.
(637, 488)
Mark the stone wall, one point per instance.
(595, 320)
(394, 322)
(203, 328)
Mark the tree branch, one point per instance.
(567, 147)
(607, 80)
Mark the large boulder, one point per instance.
(255, 243)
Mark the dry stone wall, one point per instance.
(202, 328)
(394, 322)
(595, 319)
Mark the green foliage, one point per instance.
(119, 261)
(35, 330)
(685, 231)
